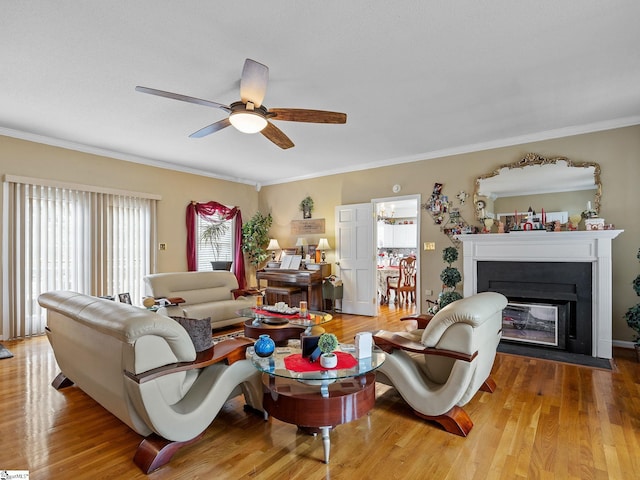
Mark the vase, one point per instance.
(329, 360)
(264, 346)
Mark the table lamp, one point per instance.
(272, 247)
(301, 242)
(323, 245)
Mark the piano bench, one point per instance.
(290, 295)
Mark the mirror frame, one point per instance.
(531, 159)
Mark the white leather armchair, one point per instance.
(438, 369)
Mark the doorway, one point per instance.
(396, 235)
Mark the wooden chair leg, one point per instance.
(454, 421)
(155, 451)
(489, 385)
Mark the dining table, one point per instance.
(384, 272)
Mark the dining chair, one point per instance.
(405, 283)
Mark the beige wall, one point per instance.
(19, 157)
(617, 152)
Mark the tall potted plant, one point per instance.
(450, 277)
(255, 238)
(633, 314)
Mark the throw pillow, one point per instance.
(199, 330)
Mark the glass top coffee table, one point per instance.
(317, 401)
(280, 328)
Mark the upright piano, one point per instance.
(309, 280)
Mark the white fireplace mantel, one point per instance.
(593, 246)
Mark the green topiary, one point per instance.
(327, 342)
(632, 316)
(448, 297)
(449, 255)
(450, 276)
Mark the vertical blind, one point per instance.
(205, 252)
(58, 238)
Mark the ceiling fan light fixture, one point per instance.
(248, 122)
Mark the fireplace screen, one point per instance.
(532, 323)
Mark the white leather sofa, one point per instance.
(143, 368)
(205, 294)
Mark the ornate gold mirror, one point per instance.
(553, 184)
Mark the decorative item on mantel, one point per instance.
(591, 219)
(633, 314)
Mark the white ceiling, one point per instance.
(418, 79)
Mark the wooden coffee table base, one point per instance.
(304, 405)
(280, 334)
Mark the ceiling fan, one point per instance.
(249, 115)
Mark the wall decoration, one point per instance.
(304, 227)
(450, 220)
(462, 197)
(306, 205)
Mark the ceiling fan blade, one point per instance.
(303, 115)
(253, 83)
(209, 129)
(182, 98)
(277, 136)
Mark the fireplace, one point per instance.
(540, 324)
(539, 292)
(529, 267)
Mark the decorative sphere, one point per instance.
(149, 302)
(264, 346)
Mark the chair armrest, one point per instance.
(244, 292)
(389, 341)
(422, 319)
(228, 351)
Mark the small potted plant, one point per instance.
(327, 343)
(633, 314)
(306, 205)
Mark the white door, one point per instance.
(354, 258)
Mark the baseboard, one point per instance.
(623, 344)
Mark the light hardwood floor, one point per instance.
(545, 420)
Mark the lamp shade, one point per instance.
(273, 244)
(323, 245)
(301, 242)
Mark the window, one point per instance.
(62, 237)
(214, 241)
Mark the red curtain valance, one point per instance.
(207, 211)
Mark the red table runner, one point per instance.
(298, 363)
